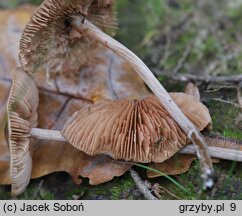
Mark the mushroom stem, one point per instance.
(207, 172)
(216, 152)
(44, 134)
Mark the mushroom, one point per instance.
(50, 41)
(22, 116)
(108, 127)
(53, 30)
(136, 130)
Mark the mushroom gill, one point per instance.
(22, 116)
(132, 130)
(50, 42)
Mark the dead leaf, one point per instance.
(12, 23)
(176, 165)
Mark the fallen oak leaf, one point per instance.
(12, 23)
(176, 165)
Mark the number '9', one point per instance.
(232, 206)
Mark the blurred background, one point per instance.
(206, 34)
(181, 41)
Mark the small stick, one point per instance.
(234, 79)
(144, 72)
(141, 185)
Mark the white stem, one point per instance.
(87, 28)
(216, 152)
(44, 134)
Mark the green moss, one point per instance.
(123, 187)
(33, 192)
(236, 134)
(15, 3)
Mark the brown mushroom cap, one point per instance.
(140, 131)
(49, 40)
(22, 116)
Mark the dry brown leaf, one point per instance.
(176, 165)
(12, 23)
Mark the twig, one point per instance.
(166, 52)
(212, 88)
(38, 189)
(239, 95)
(234, 79)
(227, 102)
(141, 185)
(170, 193)
(182, 60)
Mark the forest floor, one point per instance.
(200, 38)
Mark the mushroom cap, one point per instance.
(136, 130)
(193, 109)
(49, 42)
(22, 116)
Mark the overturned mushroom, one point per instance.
(140, 131)
(22, 116)
(69, 18)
